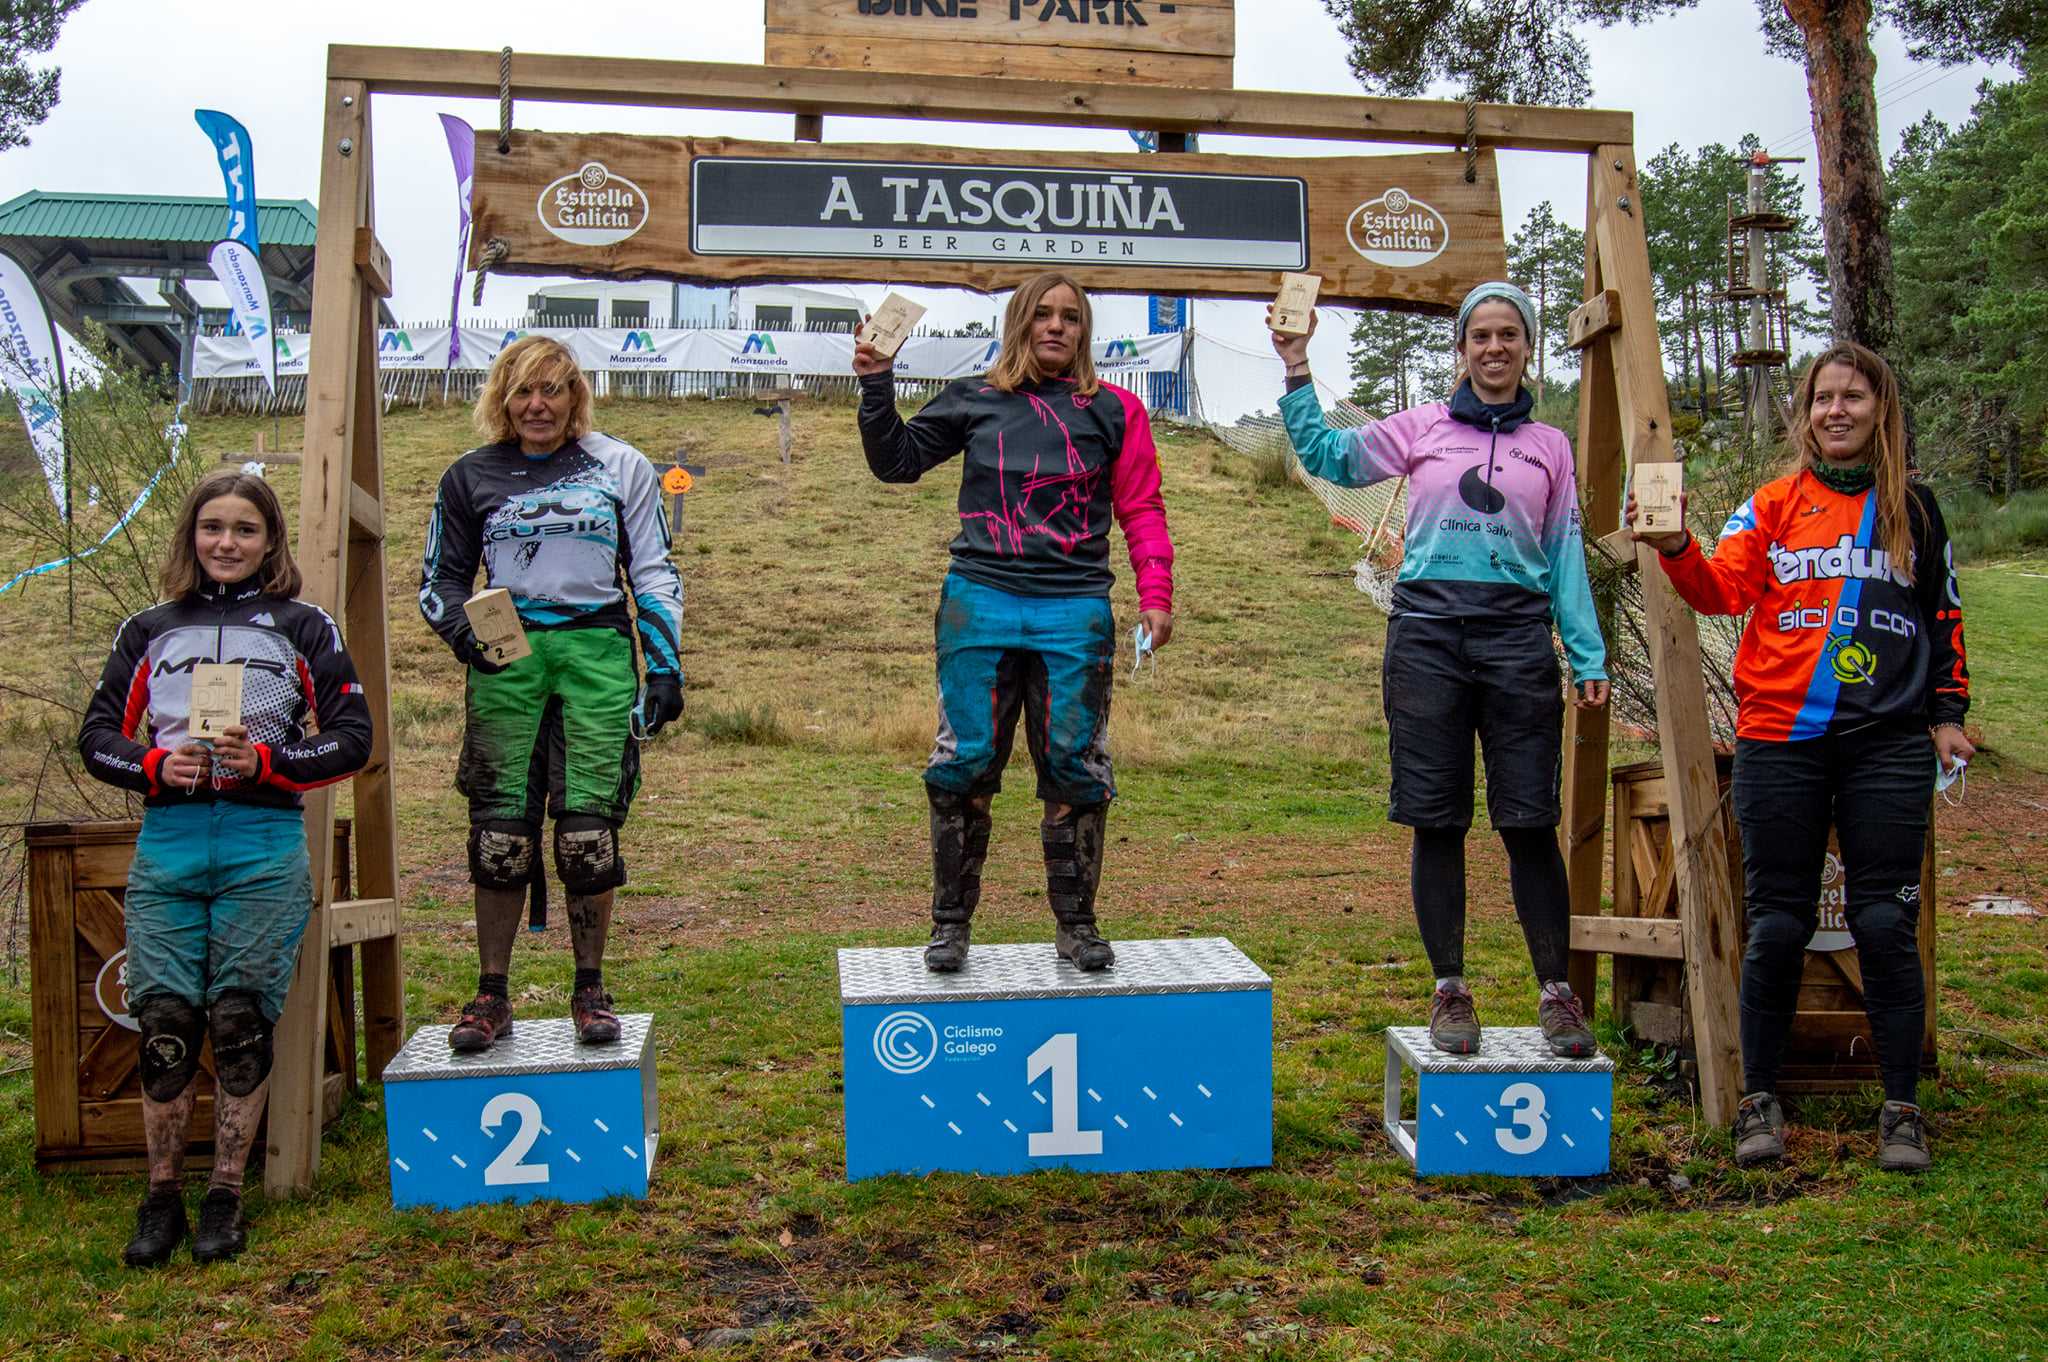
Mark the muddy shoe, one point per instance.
(1454, 1021)
(222, 1231)
(486, 1019)
(1902, 1139)
(591, 1008)
(947, 952)
(1563, 1020)
(1080, 943)
(1759, 1131)
(160, 1227)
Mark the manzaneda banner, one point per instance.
(1405, 232)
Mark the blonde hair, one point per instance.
(1887, 452)
(1017, 365)
(527, 361)
(278, 574)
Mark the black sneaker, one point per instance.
(947, 952)
(1080, 943)
(1454, 1021)
(1563, 1019)
(1902, 1139)
(222, 1233)
(160, 1227)
(1759, 1130)
(486, 1019)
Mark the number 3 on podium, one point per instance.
(1527, 1126)
(1061, 1054)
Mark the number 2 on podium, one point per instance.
(1061, 1055)
(509, 1168)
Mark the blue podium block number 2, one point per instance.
(510, 1169)
(1061, 1056)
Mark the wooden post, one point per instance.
(1586, 730)
(340, 551)
(1706, 898)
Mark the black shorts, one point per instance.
(1445, 681)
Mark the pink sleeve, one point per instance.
(1135, 499)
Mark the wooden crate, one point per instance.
(88, 1088)
(1830, 1049)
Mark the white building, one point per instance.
(758, 307)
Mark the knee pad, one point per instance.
(501, 853)
(241, 1041)
(172, 1032)
(587, 854)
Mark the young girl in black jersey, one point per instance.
(219, 892)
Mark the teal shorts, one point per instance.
(218, 897)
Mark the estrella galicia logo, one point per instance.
(593, 206)
(758, 344)
(1398, 230)
(906, 1042)
(395, 342)
(638, 340)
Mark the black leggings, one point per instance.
(1436, 876)
(1874, 787)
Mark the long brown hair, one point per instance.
(277, 574)
(1887, 451)
(532, 359)
(1017, 365)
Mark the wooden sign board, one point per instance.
(1403, 232)
(1153, 42)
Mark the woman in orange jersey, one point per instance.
(1852, 685)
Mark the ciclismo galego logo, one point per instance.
(1398, 230)
(906, 1042)
(593, 207)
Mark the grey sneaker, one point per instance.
(1759, 1130)
(1563, 1020)
(1454, 1021)
(1902, 1139)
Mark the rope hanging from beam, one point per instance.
(505, 101)
(1471, 139)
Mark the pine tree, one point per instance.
(1547, 261)
(27, 95)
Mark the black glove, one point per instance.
(663, 704)
(476, 655)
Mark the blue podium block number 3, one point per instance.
(510, 1169)
(1061, 1055)
(1527, 1127)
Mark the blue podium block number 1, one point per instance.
(1061, 1055)
(510, 1169)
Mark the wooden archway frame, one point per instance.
(1624, 419)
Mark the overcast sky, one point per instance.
(134, 70)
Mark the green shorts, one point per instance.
(553, 731)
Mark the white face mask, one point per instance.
(1950, 777)
(1141, 649)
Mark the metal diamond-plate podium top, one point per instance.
(1502, 1050)
(896, 974)
(544, 1045)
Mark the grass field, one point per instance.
(786, 819)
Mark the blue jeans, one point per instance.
(217, 899)
(1050, 658)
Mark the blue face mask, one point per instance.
(1141, 649)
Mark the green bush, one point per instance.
(1986, 529)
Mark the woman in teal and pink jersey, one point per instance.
(1492, 556)
(1851, 685)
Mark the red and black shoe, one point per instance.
(591, 1009)
(486, 1019)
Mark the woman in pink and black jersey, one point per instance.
(1052, 454)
